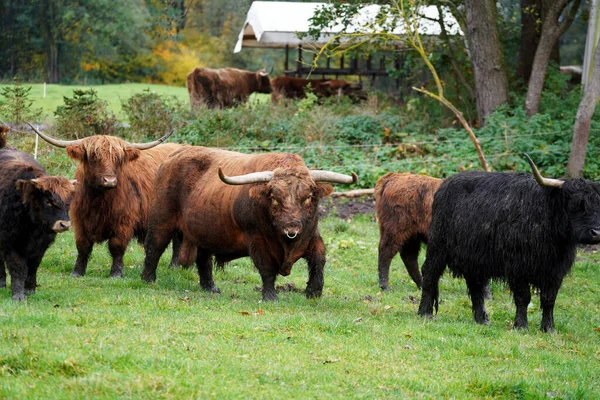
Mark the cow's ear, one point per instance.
(257, 191)
(132, 153)
(324, 189)
(26, 187)
(76, 152)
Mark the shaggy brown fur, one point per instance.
(226, 87)
(113, 199)
(295, 88)
(3, 131)
(403, 206)
(230, 222)
(33, 208)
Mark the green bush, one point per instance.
(16, 107)
(84, 115)
(151, 114)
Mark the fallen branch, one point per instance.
(353, 193)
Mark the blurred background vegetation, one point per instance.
(161, 41)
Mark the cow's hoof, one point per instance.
(116, 275)
(384, 286)
(270, 296)
(149, 278)
(29, 291)
(521, 326)
(2, 284)
(313, 294)
(18, 297)
(77, 274)
(548, 329)
(212, 289)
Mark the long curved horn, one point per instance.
(146, 146)
(55, 142)
(333, 177)
(539, 178)
(254, 177)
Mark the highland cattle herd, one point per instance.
(216, 206)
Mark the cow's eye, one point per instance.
(48, 203)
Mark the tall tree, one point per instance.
(557, 16)
(583, 119)
(491, 82)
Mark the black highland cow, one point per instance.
(33, 208)
(506, 226)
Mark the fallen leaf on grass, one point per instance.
(331, 360)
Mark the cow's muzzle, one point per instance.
(109, 181)
(61, 226)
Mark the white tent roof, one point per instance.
(275, 23)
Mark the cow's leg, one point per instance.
(410, 255)
(176, 246)
(477, 293)
(204, 264)
(267, 269)
(433, 268)
(548, 293)
(388, 247)
(117, 247)
(2, 273)
(33, 262)
(522, 297)
(17, 267)
(84, 249)
(155, 245)
(315, 258)
(487, 291)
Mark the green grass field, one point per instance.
(96, 337)
(112, 94)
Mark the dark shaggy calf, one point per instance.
(403, 205)
(506, 226)
(33, 208)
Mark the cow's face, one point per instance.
(292, 199)
(48, 198)
(263, 82)
(583, 206)
(101, 157)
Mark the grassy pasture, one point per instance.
(112, 94)
(95, 337)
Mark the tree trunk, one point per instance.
(551, 31)
(491, 83)
(530, 37)
(581, 130)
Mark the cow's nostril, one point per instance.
(109, 181)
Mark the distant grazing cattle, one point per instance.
(267, 210)
(225, 87)
(403, 206)
(511, 226)
(112, 202)
(296, 88)
(33, 209)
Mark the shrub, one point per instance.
(84, 115)
(151, 114)
(16, 107)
